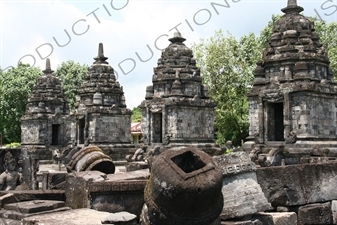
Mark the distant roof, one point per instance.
(136, 127)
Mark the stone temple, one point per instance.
(101, 117)
(44, 122)
(292, 104)
(177, 110)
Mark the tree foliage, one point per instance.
(15, 87)
(136, 115)
(227, 64)
(71, 75)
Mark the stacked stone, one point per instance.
(177, 108)
(242, 194)
(101, 115)
(46, 105)
(294, 82)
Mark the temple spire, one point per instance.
(100, 58)
(48, 68)
(292, 7)
(177, 38)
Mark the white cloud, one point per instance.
(27, 25)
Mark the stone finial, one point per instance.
(177, 38)
(48, 68)
(292, 7)
(100, 58)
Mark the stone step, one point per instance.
(34, 206)
(14, 215)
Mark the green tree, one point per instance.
(71, 75)
(227, 64)
(15, 86)
(136, 115)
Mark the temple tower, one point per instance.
(44, 122)
(292, 103)
(101, 116)
(177, 110)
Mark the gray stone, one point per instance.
(70, 217)
(286, 218)
(121, 218)
(295, 185)
(242, 194)
(315, 214)
(334, 211)
(248, 222)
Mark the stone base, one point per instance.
(70, 217)
(288, 218)
(302, 184)
(315, 214)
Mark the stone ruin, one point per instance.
(292, 104)
(288, 178)
(177, 110)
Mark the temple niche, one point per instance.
(292, 104)
(45, 122)
(177, 110)
(100, 117)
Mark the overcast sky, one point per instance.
(33, 30)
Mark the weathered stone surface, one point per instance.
(287, 218)
(70, 217)
(298, 184)
(121, 218)
(77, 188)
(242, 194)
(111, 193)
(34, 206)
(91, 158)
(27, 195)
(315, 214)
(250, 222)
(184, 188)
(334, 211)
(20, 210)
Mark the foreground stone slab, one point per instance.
(287, 218)
(70, 217)
(251, 222)
(27, 195)
(34, 206)
(121, 218)
(242, 194)
(315, 214)
(111, 193)
(295, 185)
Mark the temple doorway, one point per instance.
(157, 127)
(275, 122)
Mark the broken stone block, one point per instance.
(294, 185)
(286, 218)
(70, 217)
(315, 214)
(242, 194)
(121, 218)
(20, 210)
(107, 192)
(184, 189)
(250, 222)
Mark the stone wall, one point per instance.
(314, 115)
